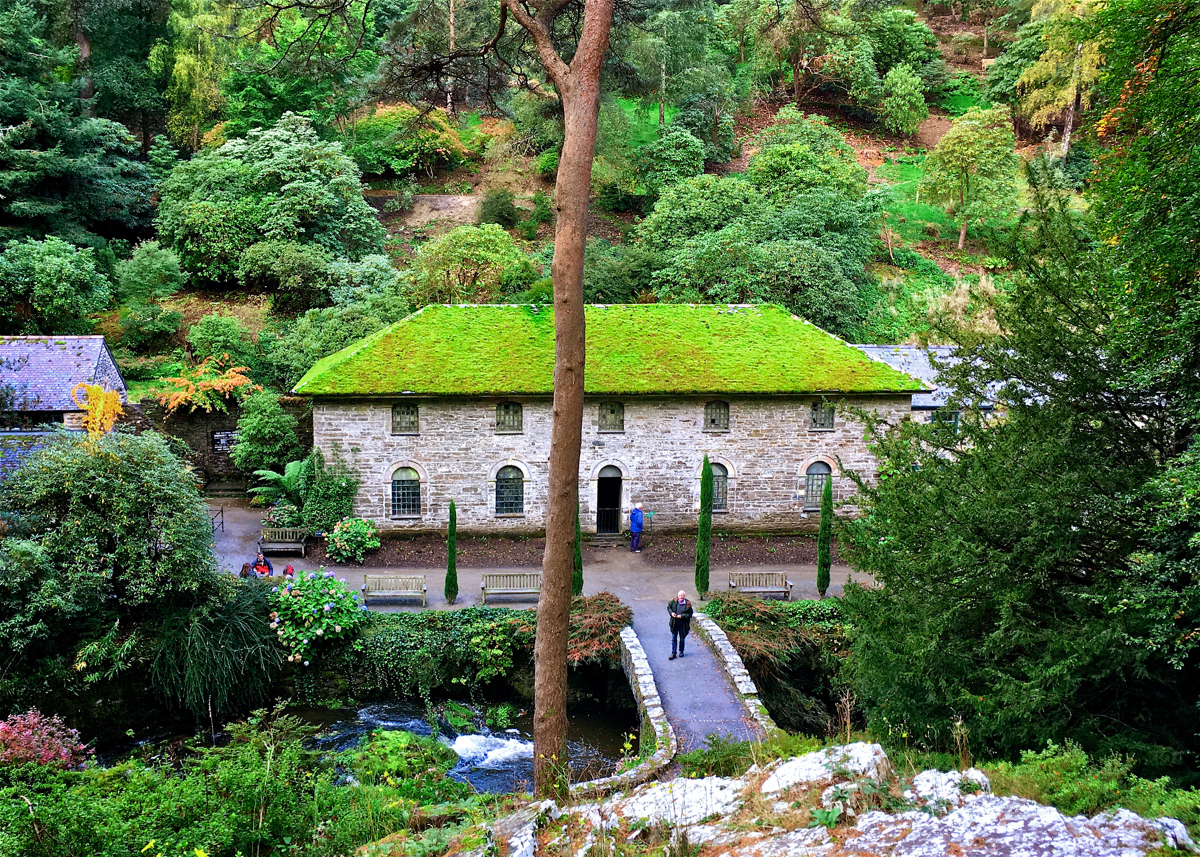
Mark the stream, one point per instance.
(497, 762)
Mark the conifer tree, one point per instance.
(452, 556)
(577, 578)
(704, 532)
(824, 538)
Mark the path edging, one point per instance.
(731, 661)
(650, 711)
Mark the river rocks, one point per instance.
(832, 763)
(946, 790)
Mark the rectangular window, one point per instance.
(948, 418)
(720, 492)
(814, 487)
(612, 416)
(508, 418)
(405, 419)
(716, 416)
(822, 417)
(510, 495)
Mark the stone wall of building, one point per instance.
(457, 453)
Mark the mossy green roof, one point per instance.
(647, 349)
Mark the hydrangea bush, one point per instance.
(36, 737)
(315, 606)
(351, 539)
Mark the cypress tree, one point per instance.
(704, 532)
(825, 537)
(577, 577)
(452, 556)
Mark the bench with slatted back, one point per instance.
(761, 583)
(510, 583)
(394, 586)
(280, 539)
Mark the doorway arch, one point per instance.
(608, 500)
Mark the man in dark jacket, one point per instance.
(680, 611)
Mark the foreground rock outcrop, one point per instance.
(836, 802)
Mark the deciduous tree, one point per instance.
(973, 169)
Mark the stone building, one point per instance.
(454, 403)
(37, 375)
(922, 362)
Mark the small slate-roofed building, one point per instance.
(915, 360)
(454, 403)
(39, 373)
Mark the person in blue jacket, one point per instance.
(635, 528)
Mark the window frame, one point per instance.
(716, 405)
(946, 416)
(722, 480)
(809, 478)
(619, 418)
(511, 407)
(519, 479)
(416, 418)
(414, 494)
(817, 417)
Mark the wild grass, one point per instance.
(643, 120)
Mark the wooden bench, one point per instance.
(394, 586)
(761, 583)
(510, 583)
(280, 539)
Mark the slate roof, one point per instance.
(44, 369)
(632, 349)
(914, 360)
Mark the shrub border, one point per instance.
(731, 661)
(650, 711)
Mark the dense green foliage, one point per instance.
(266, 435)
(903, 104)
(471, 264)
(49, 287)
(283, 183)
(260, 791)
(400, 140)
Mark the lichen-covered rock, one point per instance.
(947, 790)
(1004, 827)
(681, 802)
(833, 763)
(809, 842)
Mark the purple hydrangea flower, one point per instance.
(328, 607)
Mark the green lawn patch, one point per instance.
(631, 349)
(963, 92)
(911, 219)
(643, 120)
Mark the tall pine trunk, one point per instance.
(825, 539)
(451, 589)
(578, 87)
(704, 530)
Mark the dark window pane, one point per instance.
(716, 416)
(404, 419)
(814, 483)
(822, 416)
(612, 416)
(406, 492)
(510, 491)
(508, 416)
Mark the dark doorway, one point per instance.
(608, 500)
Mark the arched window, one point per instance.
(612, 416)
(814, 483)
(720, 487)
(406, 493)
(510, 491)
(508, 418)
(716, 416)
(404, 418)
